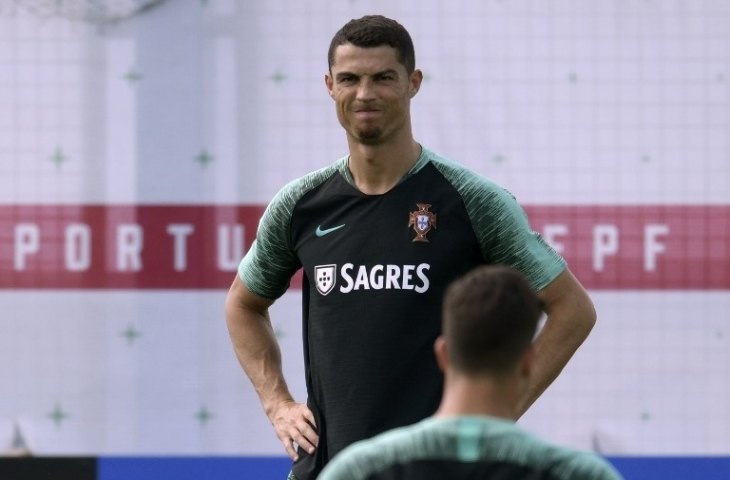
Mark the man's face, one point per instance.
(372, 92)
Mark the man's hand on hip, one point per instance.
(294, 423)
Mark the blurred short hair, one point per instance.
(490, 317)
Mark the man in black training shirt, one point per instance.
(489, 319)
(379, 235)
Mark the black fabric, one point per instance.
(456, 470)
(48, 468)
(368, 353)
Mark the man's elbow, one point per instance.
(586, 314)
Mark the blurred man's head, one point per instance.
(490, 317)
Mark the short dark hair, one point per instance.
(490, 317)
(373, 31)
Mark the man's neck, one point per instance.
(464, 396)
(378, 168)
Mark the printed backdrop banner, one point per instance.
(137, 157)
(200, 247)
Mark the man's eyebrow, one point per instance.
(387, 71)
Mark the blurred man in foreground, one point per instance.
(490, 317)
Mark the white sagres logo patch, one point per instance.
(377, 277)
(326, 276)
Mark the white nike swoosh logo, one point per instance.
(321, 233)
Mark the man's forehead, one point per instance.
(354, 59)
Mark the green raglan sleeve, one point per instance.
(340, 469)
(365, 458)
(506, 237)
(587, 466)
(502, 227)
(267, 268)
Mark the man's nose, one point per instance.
(366, 90)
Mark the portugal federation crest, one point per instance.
(422, 221)
(325, 276)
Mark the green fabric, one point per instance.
(467, 439)
(501, 225)
(269, 265)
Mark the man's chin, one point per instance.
(369, 137)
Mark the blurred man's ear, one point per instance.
(527, 361)
(442, 355)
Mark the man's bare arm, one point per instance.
(257, 350)
(570, 318)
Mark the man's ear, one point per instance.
(527, 361)
(415, 82)
(329, 83)
(442, 354)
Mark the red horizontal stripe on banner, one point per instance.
(199, 247)
(123, 247)
(641, 247)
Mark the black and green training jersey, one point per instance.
(464, 448)
(375, 269)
